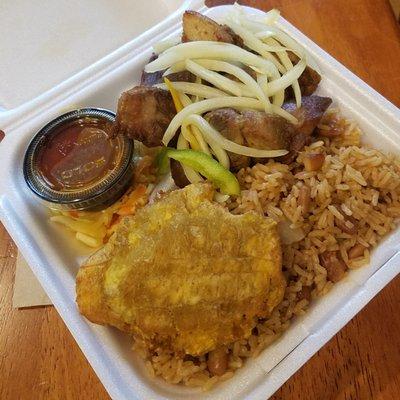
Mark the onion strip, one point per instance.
(217, 150)
(214, 50)
(185, 100)
(282, 38)
(240, 74)
(216, 79)
(288, 65)
(269, 17)
(287, 79)
(195, 89)
(192, 175)
(166, 44)
(219, 153)
(197, 97)
(255, 44)
(177, 67)
(181, 101)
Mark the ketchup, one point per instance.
(78, 154)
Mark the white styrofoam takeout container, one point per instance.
(54, 256)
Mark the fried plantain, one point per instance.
(185, 274)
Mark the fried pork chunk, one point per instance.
(310, 113)
(199, 27)
(144, 114)
(185, 274)
(251, 128)
(269, 131)
(152, 78)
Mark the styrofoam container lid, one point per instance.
(55, 257)
(46, 42)
(53, 47)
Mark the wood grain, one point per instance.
(40, 360)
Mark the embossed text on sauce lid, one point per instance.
(72, 163)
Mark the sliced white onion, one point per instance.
(287, 79)
(203, 144)
(282, 38)
(288, 65)
(187, 134)
(212, 134)
(251, 40)
(205, 49)
(263, 31)
(190, 138)
(166, 44)
(256, 44)
(197, 98)
(220, 102)
(178, 67)
(194, 89)
(216, 79)
(192, 175)
(240, 74)
(269, 17)
(220, 153)
(262, 81)
(185, 99)
(265, 34)
(278, 97)
(217, 150)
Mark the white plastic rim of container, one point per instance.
(54, 258)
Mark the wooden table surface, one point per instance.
(39, 358)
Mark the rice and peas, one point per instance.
(330, 215)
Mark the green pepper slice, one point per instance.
(204, 164)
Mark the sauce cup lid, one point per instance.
(100, 192)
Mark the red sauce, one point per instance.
(78, 154)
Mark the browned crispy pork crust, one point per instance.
(144, 114)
